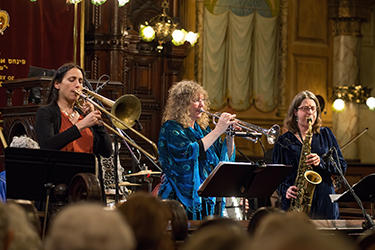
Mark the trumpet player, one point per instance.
(288, 151)
(60, 126)
(189, 149)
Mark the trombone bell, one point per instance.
(128, 109)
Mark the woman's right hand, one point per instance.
(224, 122)
(93, 118)
(291, 192)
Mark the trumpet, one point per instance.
(272, 134)
(124, 112)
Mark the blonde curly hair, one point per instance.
(180, 97)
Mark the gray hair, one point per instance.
(23, 141)
(26, 236)
(4, 230)
(89, 226)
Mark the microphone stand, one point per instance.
(115, 164)
(368, 223)
(115, 140)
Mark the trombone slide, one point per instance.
(117, 121)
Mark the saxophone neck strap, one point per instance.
(300, 135)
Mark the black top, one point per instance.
(47, 126)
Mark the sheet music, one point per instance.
(334, 197)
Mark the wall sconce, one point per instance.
(163, 29)
(355, 93)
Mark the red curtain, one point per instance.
(40, 34)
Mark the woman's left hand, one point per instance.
(313, 159)
(87, 108)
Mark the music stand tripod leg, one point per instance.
(372, 200)
(149, 181)
(49, 187)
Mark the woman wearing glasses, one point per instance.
(288, 151)
(189, 149)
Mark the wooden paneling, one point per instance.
(310, 71)
(311, 22)
(310, 52)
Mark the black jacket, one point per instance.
(47, 126)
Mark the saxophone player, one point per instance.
(288, 149)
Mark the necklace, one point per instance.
(71, 116)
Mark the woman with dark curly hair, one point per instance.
(288, 148)
(189, 149)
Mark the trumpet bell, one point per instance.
(273, 134)
(128, 109)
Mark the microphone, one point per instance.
(328, 154)
(98, 89)
(139, 125)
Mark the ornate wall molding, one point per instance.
(283, 58)
(199, 46)
(347, 15)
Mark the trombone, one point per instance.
(272, 133)
(124, 111)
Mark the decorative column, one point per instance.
(347, 16)
(283, 58)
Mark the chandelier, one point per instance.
(163, 29)
(95, 2)
(355, 93)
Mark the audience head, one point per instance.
(293, 231)
(58, 78)
(218, 234)
(89, 226)
(31, 213)
(178, 219)
(148, 217)
(258, 215)
(5, 234)
(23, 141)
(25, 235)
(180, 98)
(367, 240)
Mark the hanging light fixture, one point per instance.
(163, 29)
(95, 2)
(355, 93)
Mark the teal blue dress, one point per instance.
(186, 165)
(287, 150)
(3, 187)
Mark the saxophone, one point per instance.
(306, 179)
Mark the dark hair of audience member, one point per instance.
(366, 241)
(218, 234)
(258, 215)
(148, 217)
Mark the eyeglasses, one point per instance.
(199, 100)
(307, 108)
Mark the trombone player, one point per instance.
(189, 149)
(60, 126)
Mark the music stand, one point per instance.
(243, 179)
(364, 189)
(28, 170)
(31, 174)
